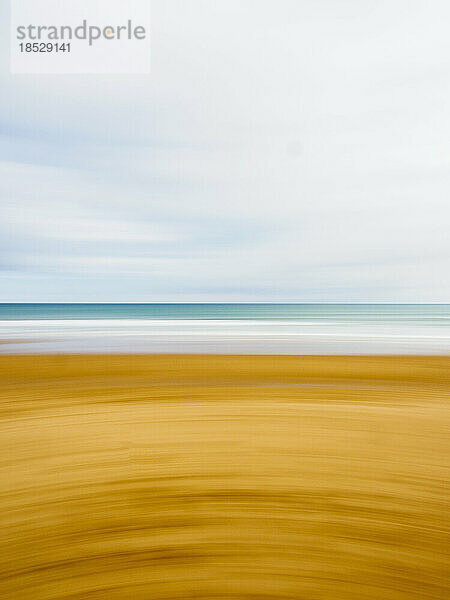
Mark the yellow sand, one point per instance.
(198, 477)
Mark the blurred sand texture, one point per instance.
(178, 477)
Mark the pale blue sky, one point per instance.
(279, 151)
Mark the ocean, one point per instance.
(226, 328)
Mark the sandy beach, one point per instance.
(233, 477)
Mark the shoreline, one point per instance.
(227, 329)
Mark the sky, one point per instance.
(279, 151)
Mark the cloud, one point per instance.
(289, 151)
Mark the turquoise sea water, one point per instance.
(245, 328)
(360, 312)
